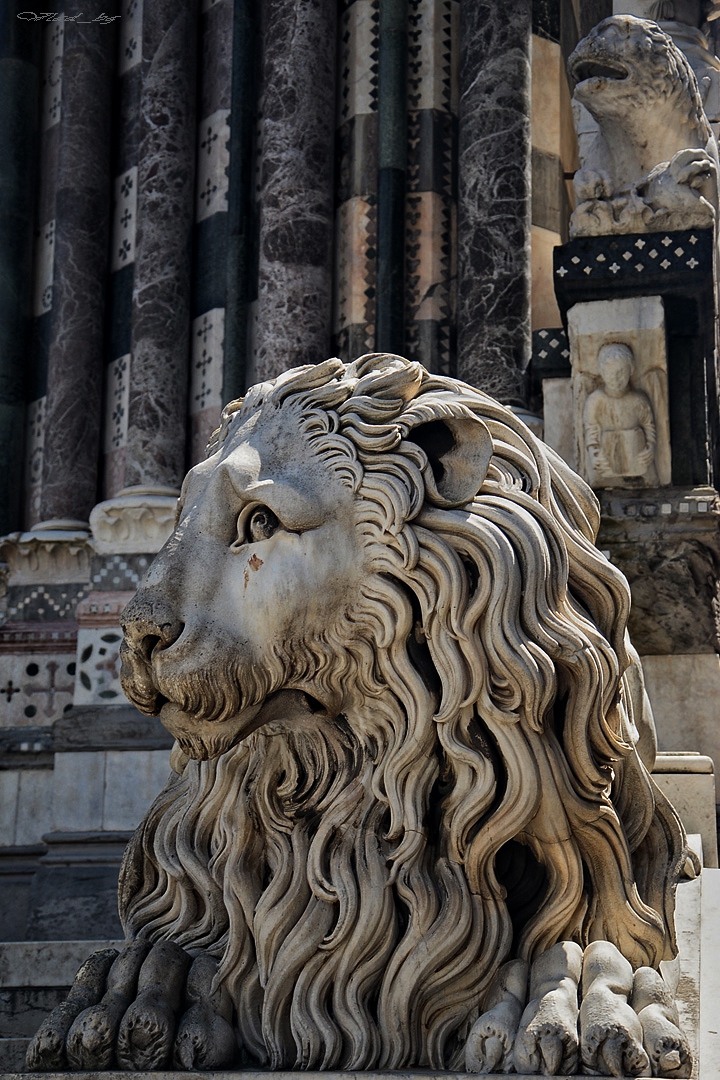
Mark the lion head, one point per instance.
(642, 92)
(397, 670)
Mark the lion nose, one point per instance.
(148, 622)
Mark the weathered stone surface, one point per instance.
(648, 156)
(666, 544)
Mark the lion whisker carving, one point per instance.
(407, 709)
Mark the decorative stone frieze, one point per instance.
(54, 551)
(139, 519)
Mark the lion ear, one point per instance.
(458, 450)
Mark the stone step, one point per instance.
(12, 1056)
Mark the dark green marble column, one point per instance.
(20, 46)
(392, 165)
(243, 111)
(494, 157)
(76, 353)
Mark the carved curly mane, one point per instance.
(480, 797)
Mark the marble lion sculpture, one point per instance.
(652, 163)
(409, 823)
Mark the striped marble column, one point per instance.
(211, 224)
(20, 56)
(494, 157)
(157, 396)
(122, 245)
(356, 181)
(430, 203)
(392, 175)
(294, 307)
(75, 368)
(240, 262)
(43, 263)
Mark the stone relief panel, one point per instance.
(619, 388)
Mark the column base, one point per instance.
(138, 520)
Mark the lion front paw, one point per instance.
(609, 1049)
(205, 1037)
(664, 1042)
(46, 1051)
(547, 1041)
(147, 1029)
(489, 1046)
(610, 1032)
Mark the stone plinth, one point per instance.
(137, 520)
(684, 691)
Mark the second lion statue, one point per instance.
(411, 822)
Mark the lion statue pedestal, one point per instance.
(411, 823)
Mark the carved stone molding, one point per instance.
(138, 519)
(54, 551)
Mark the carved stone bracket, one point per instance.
(138, 519)
(56, 551)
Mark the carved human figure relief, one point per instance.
(649, 158)
(408, 786)
(619, 424)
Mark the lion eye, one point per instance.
(261, 525)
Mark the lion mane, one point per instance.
(362, 878)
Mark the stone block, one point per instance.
(76, 899)
(23, 1008)
(688, 780)
(44, 963)
(98, 666)
(709, 1029)
(12, 1055)
(558, 418)
(133, 778)
(685, 696)
(9, 783)
(78, 788)
(34, 805)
